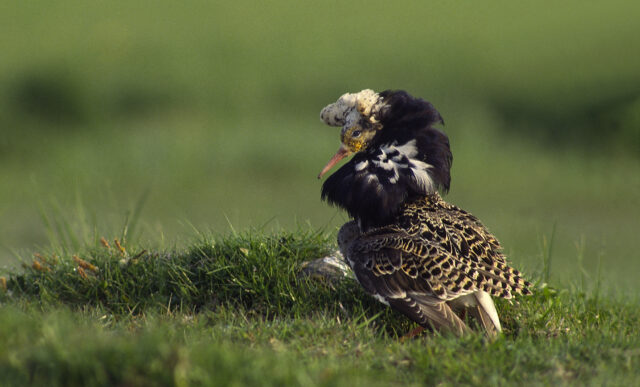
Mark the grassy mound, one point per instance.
(236, 310)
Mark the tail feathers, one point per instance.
(481, 307)
(433, 315)
(485, 313)
(443, 318)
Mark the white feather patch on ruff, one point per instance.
(418, 168)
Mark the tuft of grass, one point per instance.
(547, 254)
(255, 274)
(234, 310)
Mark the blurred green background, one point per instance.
(201, 115)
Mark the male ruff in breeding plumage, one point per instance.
(408, 248)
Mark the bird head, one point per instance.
(357, 114)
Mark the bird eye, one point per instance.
(356, 133)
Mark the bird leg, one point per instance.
(411, 334)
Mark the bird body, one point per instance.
(408, 248)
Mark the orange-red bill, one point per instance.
(340, 154)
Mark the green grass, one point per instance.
(146, 121)
(234, 310)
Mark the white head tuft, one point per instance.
(350, 107)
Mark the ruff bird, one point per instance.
(408, 248)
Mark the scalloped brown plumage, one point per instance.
(433, 263)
